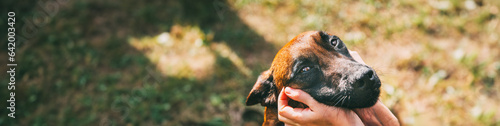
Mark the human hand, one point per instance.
(317, 113)
(378, 114)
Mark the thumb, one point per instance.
(301, 96)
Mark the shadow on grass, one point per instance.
(80, 69)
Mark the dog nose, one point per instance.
(367, 80)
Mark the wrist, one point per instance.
(349, 119)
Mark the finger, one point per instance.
(378, 114)
(301, 96)
(367, 116)
(292, 116)
(283, 108)
(282, 99)
(353, 52)
(285, 112)
(384, 115)
(356, 56)
(292, 124)
(287, 122)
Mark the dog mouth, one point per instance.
(361, 92)
(350, 99)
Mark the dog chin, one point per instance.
(351, 102)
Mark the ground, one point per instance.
(194, 62)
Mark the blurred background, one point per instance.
(188, 62)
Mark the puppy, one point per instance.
(319, 64)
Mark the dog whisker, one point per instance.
(348, 99)
(343, 100)
(338, 101)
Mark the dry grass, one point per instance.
(439, 60)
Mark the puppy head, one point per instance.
(319, 64)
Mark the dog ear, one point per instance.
(264, 91)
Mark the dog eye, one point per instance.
(305, 69)
(334, 41)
